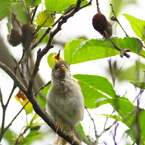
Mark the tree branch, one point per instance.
(13, 77)
(28, 91)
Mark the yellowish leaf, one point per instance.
(45, 19)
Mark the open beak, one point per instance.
(62, 68)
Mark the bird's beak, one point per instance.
(62, 68)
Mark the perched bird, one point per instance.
(65, 103)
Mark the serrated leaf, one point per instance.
(140, 85)
(137, 25)
(130, 72)
(113, 117)
(4, 8)
(77, 51)
(127, 112)
(93, 88)
(101, 101)
(58, 5)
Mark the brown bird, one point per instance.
(65, 103)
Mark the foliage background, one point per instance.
(96, 67)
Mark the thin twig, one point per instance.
(28, 91)
(34, 12)
(111, 71)
(14, 87)
(123, 52)
(95, 129)
(49, 45)
(16, 116)
(106, 129)
(21, 135)
(98, 8)
(3, 116)
(42, 87)
(137, 123)
(4, 107)
(115, 19)
(13, 76)
(1, 99)
(115, 133)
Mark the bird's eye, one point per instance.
(56, 67)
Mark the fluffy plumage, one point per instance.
(65, 102)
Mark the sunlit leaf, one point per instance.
(81, 132)
(130, 72)
(45, 18)
(138, 84)
(22, 99)
(101, 101)
(41, 97)
(119, 5)
(32, 3)
(18, 8)
(113, 117)
(77, 51)
(128, 113)
(4, 8)
(52, 58)
(9, 135)
(94, 87)
(137, 25)
(32, 136)
(58, 5)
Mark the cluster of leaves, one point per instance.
(97, 90)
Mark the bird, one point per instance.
(64, 101)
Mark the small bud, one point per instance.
(108, 29)
(27, 34)
(15, 38)
(101, 24)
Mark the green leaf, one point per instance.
(9, 135)
(119, 5)
(138, 84)
(4, 8)
(31, 137)
(41, 97)
(20, 11)
(130, 73)
(45, 19)
(93, 88)
(127, 112)
(58, 5)
(113, 117)
(77, 51)
(52, 58)
(81, 132)
(32, 3)
(101, 102)
(137, 25)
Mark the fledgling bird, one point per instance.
(65, 103)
